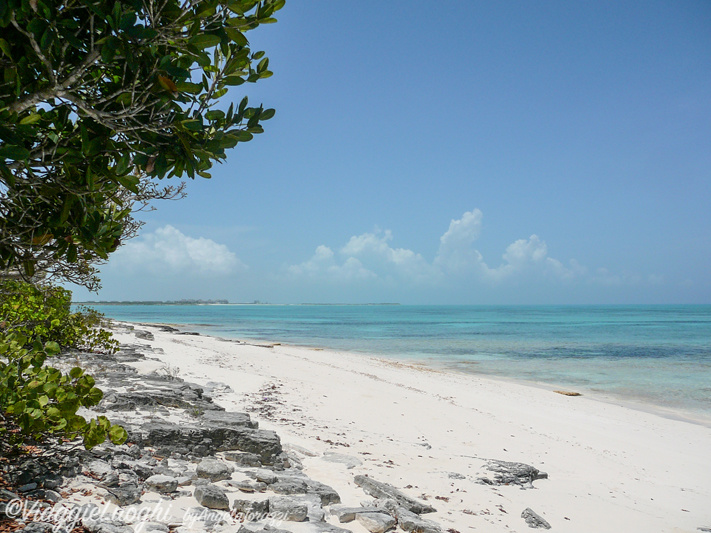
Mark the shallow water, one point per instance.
(657, 354)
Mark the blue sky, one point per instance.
(455, 152)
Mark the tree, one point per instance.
(97, 98)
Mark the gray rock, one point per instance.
(251, 510)
(222, 437)
(106, 525)
(376, 522)
(7, 495)
(146, 527)
(508, 473)
(213, 470)
(347, 460)
(534, 520)
(36, 527)
(378, 489)
(98, 468)
(348, 514)
(284, 508)
(265, 476)
(412, 523)
(289, 485)
(325, 527)
(212, 497)
(124, 494)
(244, 459)
(161, 483)
(328, 495)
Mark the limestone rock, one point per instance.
(412, 523)
(244, 459)
(347, 460)
(376, 522)
(534, 520)
(212, 497)
(213, 470)
(509, 473)
(348, 514)
(124, 494)
(161, 483)
(285, 508)
(378, 489)
(251, 510)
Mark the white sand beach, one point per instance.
(611, 468)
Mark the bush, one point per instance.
(35, 324)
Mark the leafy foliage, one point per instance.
(98, 96)
(34, 324)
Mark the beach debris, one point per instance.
(510, 473)
(567, 393)
(534, 520)
(378, 489)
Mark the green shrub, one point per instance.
(35, 324)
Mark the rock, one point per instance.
(284, 508)
(251, 510)
(328, 495)
(456, 475)
(36, 527)
(7, 495)
(347, 460)
(212, 497)
(99, 469)
(533, 520)
(348, 514)
(508, 473)
(244, 459)
(378, 489)
(213, 470)
(146, 527)
(325, 527)
(124, 494)
(289, 486)
(412, 523)
(106, 525)
(223, 437)
(265, 476)
(27, 488)
(143, 334)
(376, 522)
(161, 483)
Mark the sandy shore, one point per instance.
(611, 468)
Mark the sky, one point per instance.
(456, 152)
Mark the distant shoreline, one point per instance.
(215, 302)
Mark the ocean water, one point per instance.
(659, 355)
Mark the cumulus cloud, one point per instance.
(371, 256)
(323, 264)
(169, 251)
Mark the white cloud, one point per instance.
(370, 256)
(169, 251)
(323, 264)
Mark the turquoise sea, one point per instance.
(660, 355)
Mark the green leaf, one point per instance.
(192, 124)
(5, 47)
(14, 152)
(204, 40)
(117, 434)
(52, 348)
(31, 119)
(76, 372)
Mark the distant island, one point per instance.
(156, 302)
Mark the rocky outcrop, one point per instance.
(378, 489)
(509, 473)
